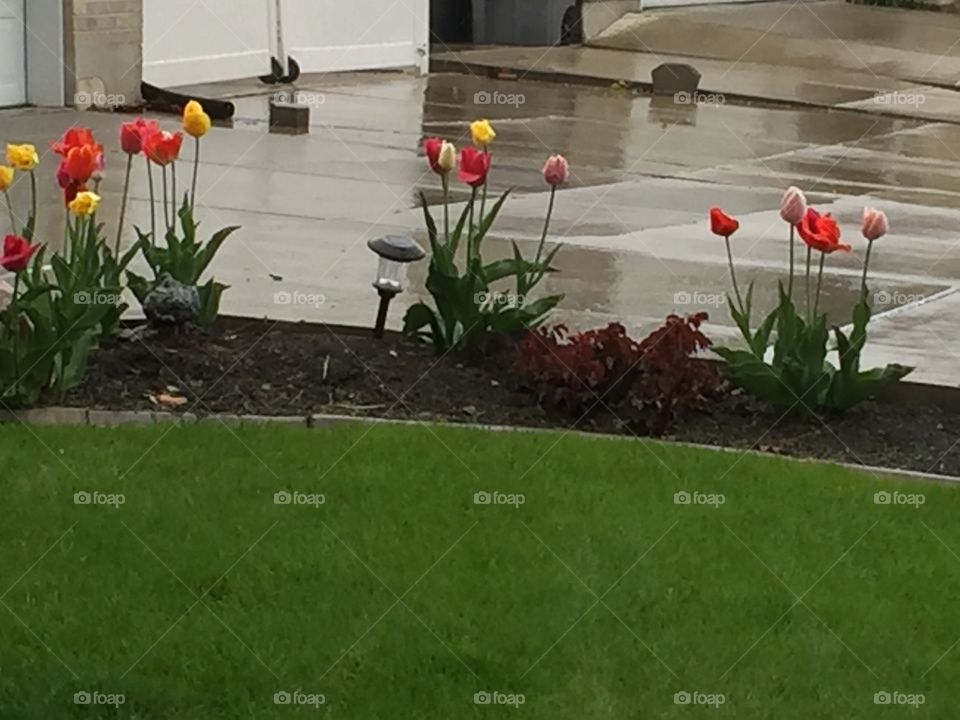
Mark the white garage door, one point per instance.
(13, 76)
(197, 41)
(335, 35)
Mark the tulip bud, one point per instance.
(874, 225)
(793, 206)
(447, 159)
(556, 170)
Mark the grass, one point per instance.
(598, 597)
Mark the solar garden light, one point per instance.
(396, 252)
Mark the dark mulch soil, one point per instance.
(265, 369)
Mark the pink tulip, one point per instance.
(874, 225)
(793, 207)
(556, 170)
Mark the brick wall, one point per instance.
(104, 47)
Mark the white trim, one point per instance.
(356, 57)
(212, 68)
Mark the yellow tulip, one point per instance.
(86, 203)
(6, 177)
(482, 132)
(23, 157)
(192, 108)
(196, 124)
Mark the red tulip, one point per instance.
(81, 163)
(874, 224)
(722, 224)
(16, 253)
(821, 232)
(432, 147)
(163, 147)
(474, 167)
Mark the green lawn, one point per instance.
(398, 597)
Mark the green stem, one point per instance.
(173, 194)
(816, 305)
(166, 198)
(33, 198)
(196, 171)
(473, 202)
(866, 264)
(153, 203)
(123, 204)
(539, 273)
(790, 284)
(483, 199)
(809, 258)
(445, 181)
(13, 220)
(733, 275)
(16, 331)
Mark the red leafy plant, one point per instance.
(647, 384)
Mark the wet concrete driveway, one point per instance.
(632, 218)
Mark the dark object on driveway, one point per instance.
(289, 118)
(518, 22)
(677, 79)
(167, 101)
(172, 304)
(571, 28)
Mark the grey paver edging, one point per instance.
(65, 416)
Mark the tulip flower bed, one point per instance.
(481, 348)
(201, 598)
(291, 371)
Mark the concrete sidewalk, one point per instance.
(825, 54)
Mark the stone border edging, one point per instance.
(74, 417)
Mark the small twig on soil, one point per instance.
(359, 407)
(326, 367)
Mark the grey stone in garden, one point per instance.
(397, 247)
(172, 303)
(674, 79)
